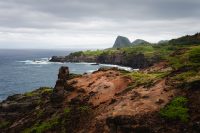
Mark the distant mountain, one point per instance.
(121, 42)
(139, 41)
(187, 40)
(163, 41)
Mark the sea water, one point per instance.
(25, 70)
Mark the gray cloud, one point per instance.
(46, 21)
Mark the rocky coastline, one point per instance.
(135, 61)
(108, 100)
(162, 97)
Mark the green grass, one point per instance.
(92, 53)
(84, 108)
(146, 79)
(39, 91)
(190, 58)
(42, 127)
(194, 54)
(176, 109)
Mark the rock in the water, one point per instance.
(121, 42)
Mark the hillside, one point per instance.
(187, 40)
(139, 41)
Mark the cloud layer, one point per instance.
(93, 23)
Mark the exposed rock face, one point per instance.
(139, 41)
(120, 58)
(61, 84)
(58, 59)
(121, 42)
(134, 61)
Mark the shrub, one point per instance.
(84, 108)
(194, 55)
(42, 127)
(39, 91)
(67, 110)
(176, 110)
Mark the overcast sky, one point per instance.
(93, 23)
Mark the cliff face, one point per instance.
(120, 58)
(121, 42)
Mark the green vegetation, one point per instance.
(186, 40)
(79, 53)
(84, 108)
(72, 75)
(43, 127)
(188, 56)
(4, 124)
(194, 54)
(41, 90)
(61, 121)
(93, 53)
(145, 79)
(67, 110)
(176, 110)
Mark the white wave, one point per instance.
(91, 71)
(42, 61)
(120, 67)
(45, 61)
(84, 63)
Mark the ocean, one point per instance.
(26, 70)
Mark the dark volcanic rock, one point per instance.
(59, 89)
(58, 59)
(121, 42)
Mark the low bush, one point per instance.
(176, 109)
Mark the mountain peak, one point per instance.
(121, 41)
(139, 41)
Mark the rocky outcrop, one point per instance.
(121, 42)
(61, 85)
(132, 60)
